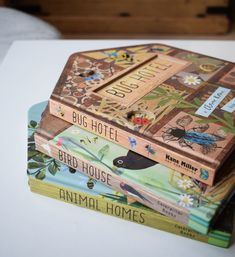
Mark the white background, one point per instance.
(37, 226)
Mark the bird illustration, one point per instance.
(133, 161)
(129, 190)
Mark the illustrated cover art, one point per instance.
(52, 178)
(171, 105)
(165, 190)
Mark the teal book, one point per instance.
(167, 191)
(52, 178)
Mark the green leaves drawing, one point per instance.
(53, 168)
(41, 174)
(103, 151)
(39, 163)
(166, 96)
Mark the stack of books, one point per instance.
(145, 133)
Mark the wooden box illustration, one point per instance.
(49, 177)
(165, 190)
(170, 105)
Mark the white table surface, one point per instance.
(37, 226)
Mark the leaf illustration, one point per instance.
(87, 157)
(197, 101)
(32, 153)
(35, 165)
(160, 90)
(176, 95)
(31, 147)
(151, 97)
(163, 101)
(182, 105)
(228, 130)
(32, 124)
(38, 158)
(53, 168)
(41, 174)
(228, 118)
(103, 151)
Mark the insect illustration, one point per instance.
(60, 111)
(91, 183)
(133, 161)
(141, 121)
(150, 150)
(94, 76)
(132, 142)
(119, 57)
(87, 140)
(195, 135)
(140, 118)
(204, 174)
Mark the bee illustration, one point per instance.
(127, 57)
(60, 111)
(91, 183)
(86, 140)
(119, 57)
(195, 135)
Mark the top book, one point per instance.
(173, 106)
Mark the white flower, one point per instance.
(184, 183)
(192, 80)
(185, 200)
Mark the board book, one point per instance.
(167, 191)
(51, 178)
(173, 106)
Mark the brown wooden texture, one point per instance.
(131, 17)
(51, 131)
(3, 2)
(141, 25)
(155, 8)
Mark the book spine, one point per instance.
(158, 153)
(131, 213)
(108, 177)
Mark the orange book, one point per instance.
(170, 105)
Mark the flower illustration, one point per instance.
(184, 183)
(185, 200)
(192, 80)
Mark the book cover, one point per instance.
(51, 178)
(167, 191)
(173, 106)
